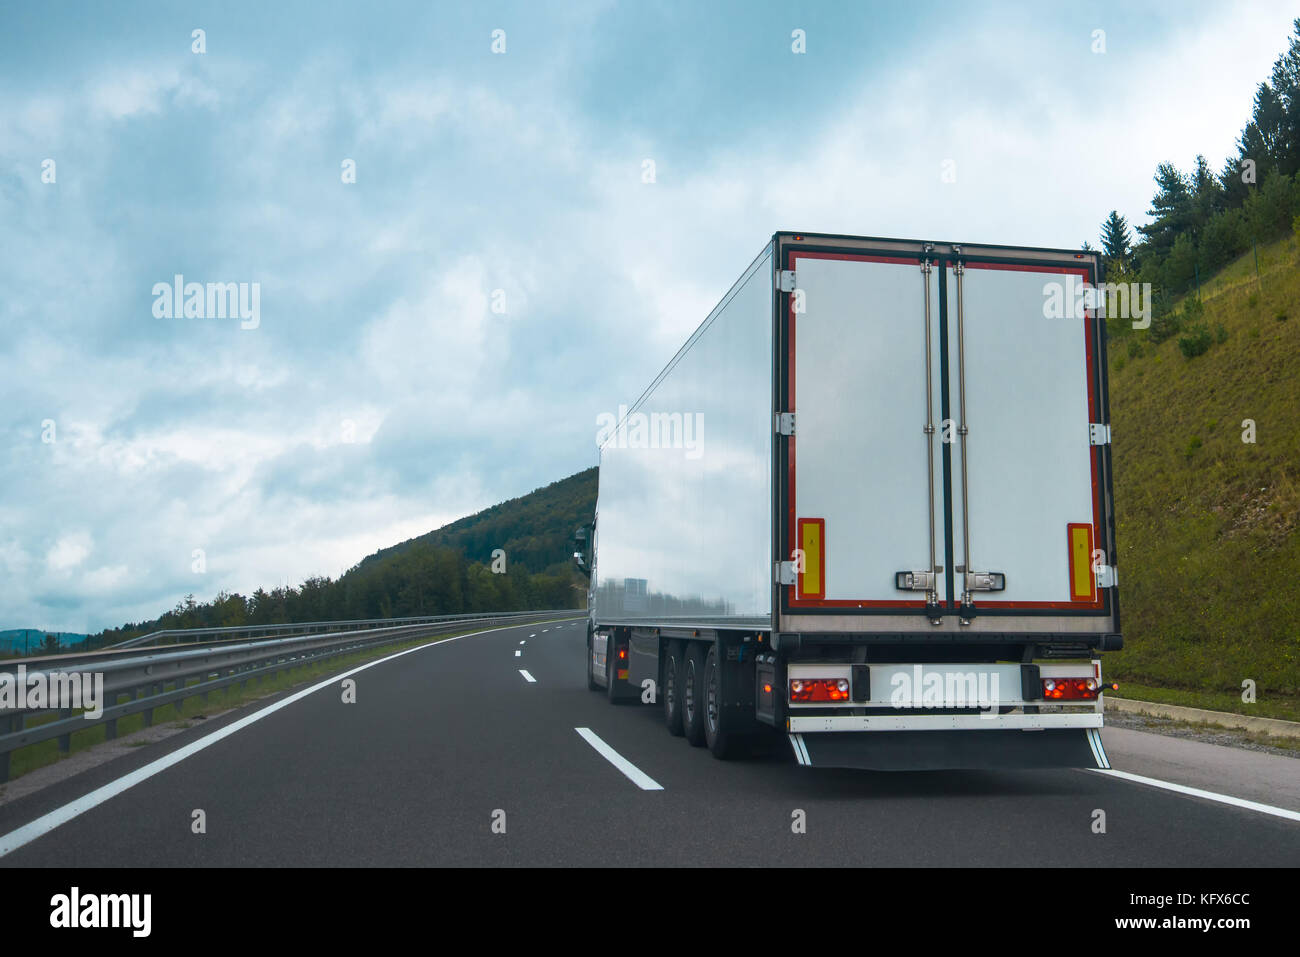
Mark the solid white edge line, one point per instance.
(527, 677)
(1197, 792)
(1092, 743)
(1102, 758)
(62, 815)
(630, 770)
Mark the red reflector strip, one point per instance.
(1071, 689)
(819, 689)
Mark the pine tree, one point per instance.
(1171, 209)
(1207, 194)
(1271, 140)
(1286, 90)
(1115, 237)
(1180, 266)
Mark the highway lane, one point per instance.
(442, 740)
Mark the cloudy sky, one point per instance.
(381, 394)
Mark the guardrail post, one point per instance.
(110, 725)
(8, 724)
(148, 712)
(65, 740)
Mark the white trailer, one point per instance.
(868, 505)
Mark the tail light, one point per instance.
(1071, 689)
(819, 689)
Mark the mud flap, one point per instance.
(951, 750)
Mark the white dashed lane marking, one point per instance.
(633, 773)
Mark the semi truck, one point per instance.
(867, 507)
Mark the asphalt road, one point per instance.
(443, 739)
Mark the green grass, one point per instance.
(1206, 523)
(232, 696)
(1282, 708)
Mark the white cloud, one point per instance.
(103, 581)
(68, 552)
(148, 91)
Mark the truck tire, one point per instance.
(721, 740)
(671, 691)
(693, 694)
(591, 670)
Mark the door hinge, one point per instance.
(1107, 576)
(785, 280)
(1098, 434)
(785, 423)
(785, 573)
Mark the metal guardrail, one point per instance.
(142, 675)
(181, 635)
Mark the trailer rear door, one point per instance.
(899, 436)
(863, 483)
(1030, 472)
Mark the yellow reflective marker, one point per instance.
(1083, 583)
(813, 546)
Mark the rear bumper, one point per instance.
(1050, 747)
(970, 723)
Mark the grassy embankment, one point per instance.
(1207, 523)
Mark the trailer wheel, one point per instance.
(672, 687)
(591, 669)
(721, 741)
(693, 694)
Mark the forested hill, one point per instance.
(447, 571)
(534, 530)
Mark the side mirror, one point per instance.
(579, 557)
(580, 563)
